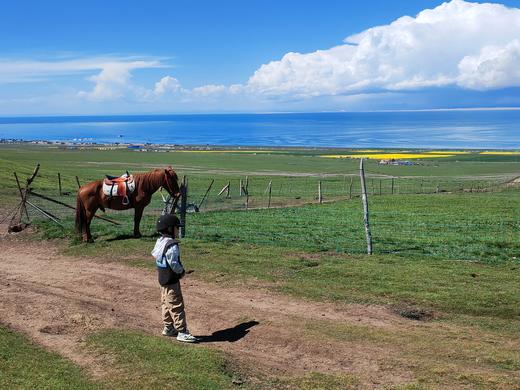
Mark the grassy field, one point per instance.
(453, 253)
(24, 365)
(136, 360)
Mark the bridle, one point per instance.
(170, 189)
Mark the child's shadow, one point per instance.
(230, 334)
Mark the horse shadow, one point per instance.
(230, 334)
(122, 237)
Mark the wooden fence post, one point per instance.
(364, 198)
(380, 181)
(350, 187)
(206, 194)
(392, 185)
(77, 181)
(59, 183)
(228, 195)
(21, 195)
(240, 188)
(184, 202)
(269, 189)
(246, 189)
(320, 199)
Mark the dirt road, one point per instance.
(56, 300)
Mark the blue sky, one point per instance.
(110, 57)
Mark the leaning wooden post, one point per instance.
(184, 201)
(59, 183)
(320, 199)
(206, 194)
(21, 195)
(364, 197)
(247, 192)
(77, 181)
(269, 189)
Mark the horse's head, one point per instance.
(171, 182)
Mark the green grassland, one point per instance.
(447, 241)
(136, 360)
(24, 365)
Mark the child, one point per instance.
(170, 270)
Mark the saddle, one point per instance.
(119, 186)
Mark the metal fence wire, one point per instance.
(460, 218)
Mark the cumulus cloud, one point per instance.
(209, 89)
(113, 81)
(472, 45)
(167, 84)
(493, 67)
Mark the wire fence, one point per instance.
(458, 218)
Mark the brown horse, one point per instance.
(91, 198)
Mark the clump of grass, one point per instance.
(151, 362)
(24, 365)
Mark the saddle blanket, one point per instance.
(119, 186)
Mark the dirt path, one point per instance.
(57, 300)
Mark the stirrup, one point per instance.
(125, 201)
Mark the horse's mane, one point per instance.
(149, 181)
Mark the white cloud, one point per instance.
(493, 67)
(469, 44)
(165, 85)
(209, 90)
(113, 81)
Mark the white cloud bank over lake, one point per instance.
(470, 45)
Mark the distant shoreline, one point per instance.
(164, 147)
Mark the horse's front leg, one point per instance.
(137, 221)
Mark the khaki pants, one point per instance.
(173, 307)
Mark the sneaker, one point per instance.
(186, 338)
(169, 332)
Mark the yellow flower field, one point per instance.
(389, 156)
(513, 153)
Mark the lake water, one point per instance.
(497, 129)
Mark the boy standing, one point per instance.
(170, 270)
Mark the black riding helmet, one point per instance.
(166, 221)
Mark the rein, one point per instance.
(167, 182)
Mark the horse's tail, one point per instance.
(81, 216)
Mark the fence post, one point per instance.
(380, 181)
(59, 183)
(240, 188)
(350, 187)
(247, 192)
(77, 181)
(320, 199)
(21, 195)
(206, 194)
(269, 188)
(184, 201)
(364, 198)
(228, 195)
(392, 185)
